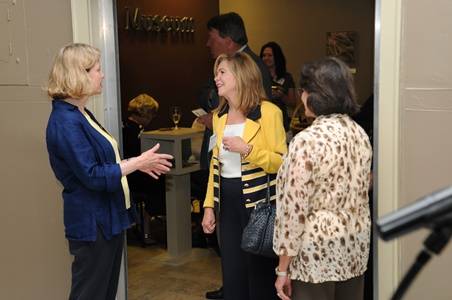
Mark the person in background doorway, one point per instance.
(249, 144)
(85, 159)
(144, 189)
(283, 86)
(141, 110)
(299, 120)
(226, 35)
(322, 226)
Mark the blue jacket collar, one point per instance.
(61, 104)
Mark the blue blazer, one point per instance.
(84, 162)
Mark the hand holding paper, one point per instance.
(199, 112)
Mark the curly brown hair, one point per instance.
(329, 84)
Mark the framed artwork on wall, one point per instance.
(343, 45)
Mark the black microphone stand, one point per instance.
(434, 244)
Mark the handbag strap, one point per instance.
(268, 189)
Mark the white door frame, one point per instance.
(94, 23)
(386, 139)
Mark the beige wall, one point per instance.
(415, 120)
(300, 27)
(426, 124)
(34, 261)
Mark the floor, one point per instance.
(151, 277)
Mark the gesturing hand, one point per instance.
(155, 164)
(234, 144)
(206, 120)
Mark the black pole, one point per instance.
(434, 244)
(409, 277)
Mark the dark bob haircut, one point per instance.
(330, 86)
(278, 57)
(229, 25)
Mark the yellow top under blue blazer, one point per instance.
(265, 131)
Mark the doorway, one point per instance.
(109, 108)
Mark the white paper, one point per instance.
(199, 112)
(212, 141)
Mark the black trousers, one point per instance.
(351, 289)
(96, 267)
(245, 276)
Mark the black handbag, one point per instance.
(257, 236)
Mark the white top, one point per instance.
(231, 162)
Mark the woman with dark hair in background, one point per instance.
(322, 226)
(283, 87)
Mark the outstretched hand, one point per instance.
(155, 164)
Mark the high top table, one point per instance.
(176, 142)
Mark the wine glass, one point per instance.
(175, 115)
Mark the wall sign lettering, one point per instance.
(156, 23)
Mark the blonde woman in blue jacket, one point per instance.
(248, 144)
(85, 159)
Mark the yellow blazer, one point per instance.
(265, 131)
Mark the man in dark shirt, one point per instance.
(226, 34)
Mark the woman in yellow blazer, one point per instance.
(248, 144)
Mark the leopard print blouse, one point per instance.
(322, 211)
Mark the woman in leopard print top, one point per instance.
(322, 227)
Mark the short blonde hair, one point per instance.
(143, 105)
(69, 77)
(250, 89)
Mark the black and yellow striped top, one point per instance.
(265, 131)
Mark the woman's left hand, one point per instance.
(153, 163)
(278, 92)
(283, 287)
(234, 144)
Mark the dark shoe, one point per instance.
(218, 294)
